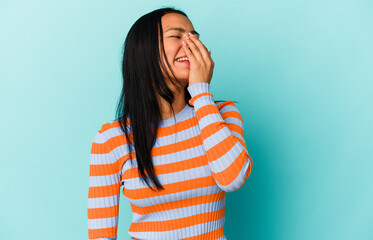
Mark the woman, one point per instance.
(173, 148)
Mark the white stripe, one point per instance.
(146, 202)
(100, 181)
(238, 181)
(103, 202)
(209, 119)
(172, 157)
(111, 157)
(102, 223)
(227, 159)
(204, 101)
(216, 138)
(168, 178)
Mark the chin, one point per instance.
(184, 76)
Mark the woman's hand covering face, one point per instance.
(201, 63)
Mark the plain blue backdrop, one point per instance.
(301, 72)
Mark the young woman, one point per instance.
(175, 150)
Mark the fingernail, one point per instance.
(191, 35)
(186, 36)
(184, 44)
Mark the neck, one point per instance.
(178, 104)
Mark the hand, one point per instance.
(201, 63)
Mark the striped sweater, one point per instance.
(199, 155)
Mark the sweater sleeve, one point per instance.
(223, 138)
(103, 191)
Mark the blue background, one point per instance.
(301, 72)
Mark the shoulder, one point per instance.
(110, 144)
(110, 132)
(110, 126)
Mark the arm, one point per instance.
(104, 190)
(223, 138)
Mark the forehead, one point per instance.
(175, 20)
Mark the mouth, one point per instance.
(183, 60)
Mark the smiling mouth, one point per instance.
(182, 59)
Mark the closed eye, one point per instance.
(175, 36)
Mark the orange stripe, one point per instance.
(242, 143)
(102, 232)
(220, 149)
(178, 127)
(232, 113)
(170, 167)
(227, 176)
(236, 128)
(161, 226)
(191, 101)
(114, 124)
(212, 129)
(104, 191)
(206, 110)
(223, 104)
(218, 233)
(107, 212)
(165, 130)
(217, 126)
(170, 188)
(182, 165)
(179, 203)
(107, 169)
(247, 173)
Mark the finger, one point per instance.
(189, 53)
(204, 52)
(212, 61)
(194, 49)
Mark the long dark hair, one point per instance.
(142, 79)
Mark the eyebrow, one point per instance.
(182, 30)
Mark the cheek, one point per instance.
(171, 50)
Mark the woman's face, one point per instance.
(174, 27)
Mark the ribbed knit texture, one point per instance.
(199, 155)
